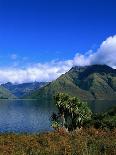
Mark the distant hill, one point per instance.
(6, 94)
(23, 89)
(87, 83)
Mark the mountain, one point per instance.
(87, 83)
(6, 94)
(23, 89)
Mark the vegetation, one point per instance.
(80, 142)
(89, 134)
(106, 121)
(72, 112)
(88, 83)
(6, 94)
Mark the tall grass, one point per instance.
(80, 142)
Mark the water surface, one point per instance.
(98, 106)
(31, 116)
(25, 116)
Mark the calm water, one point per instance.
(101, 105)
(25, 116)
(32, 116)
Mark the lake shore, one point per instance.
(89, 141)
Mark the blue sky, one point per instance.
(51, 32)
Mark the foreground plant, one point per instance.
(72, 112)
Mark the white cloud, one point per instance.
(37, 72)
(105, 54)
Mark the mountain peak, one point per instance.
(96, 66)
(93, 68)
(88, 82)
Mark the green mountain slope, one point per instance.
(92, 82)
(5, 93)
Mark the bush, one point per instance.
(72, 112)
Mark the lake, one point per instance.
(31, 116)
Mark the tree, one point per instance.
(72, 111)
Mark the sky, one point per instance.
(42, 39)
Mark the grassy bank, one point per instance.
(83, 142)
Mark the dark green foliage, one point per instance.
(72, 112)
(88, 83)
(106, 120)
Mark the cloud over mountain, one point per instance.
(37, 72)
(105, 54)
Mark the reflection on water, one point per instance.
(25, 116)
(33, 116)
(101, 105)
